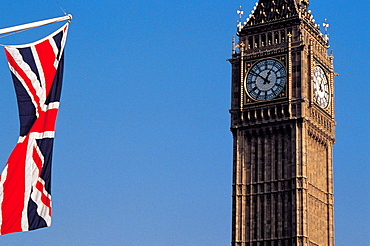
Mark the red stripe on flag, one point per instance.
(14, 188)
(36, 158)
(46, 200)
(24, 76)
(47, 58)
(45, 121)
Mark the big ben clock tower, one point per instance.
(282, 121)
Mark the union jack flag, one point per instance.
(25, 195)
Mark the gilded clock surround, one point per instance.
(265, 80)
(283, 146)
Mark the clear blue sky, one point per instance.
(143, 152)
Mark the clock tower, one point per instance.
(282, 122)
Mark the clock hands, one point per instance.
(266, 81)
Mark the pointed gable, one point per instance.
(273, 10)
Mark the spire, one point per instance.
(276, 10)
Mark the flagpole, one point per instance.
(35, 24)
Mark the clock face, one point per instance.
(321, 87)
(265, 80)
